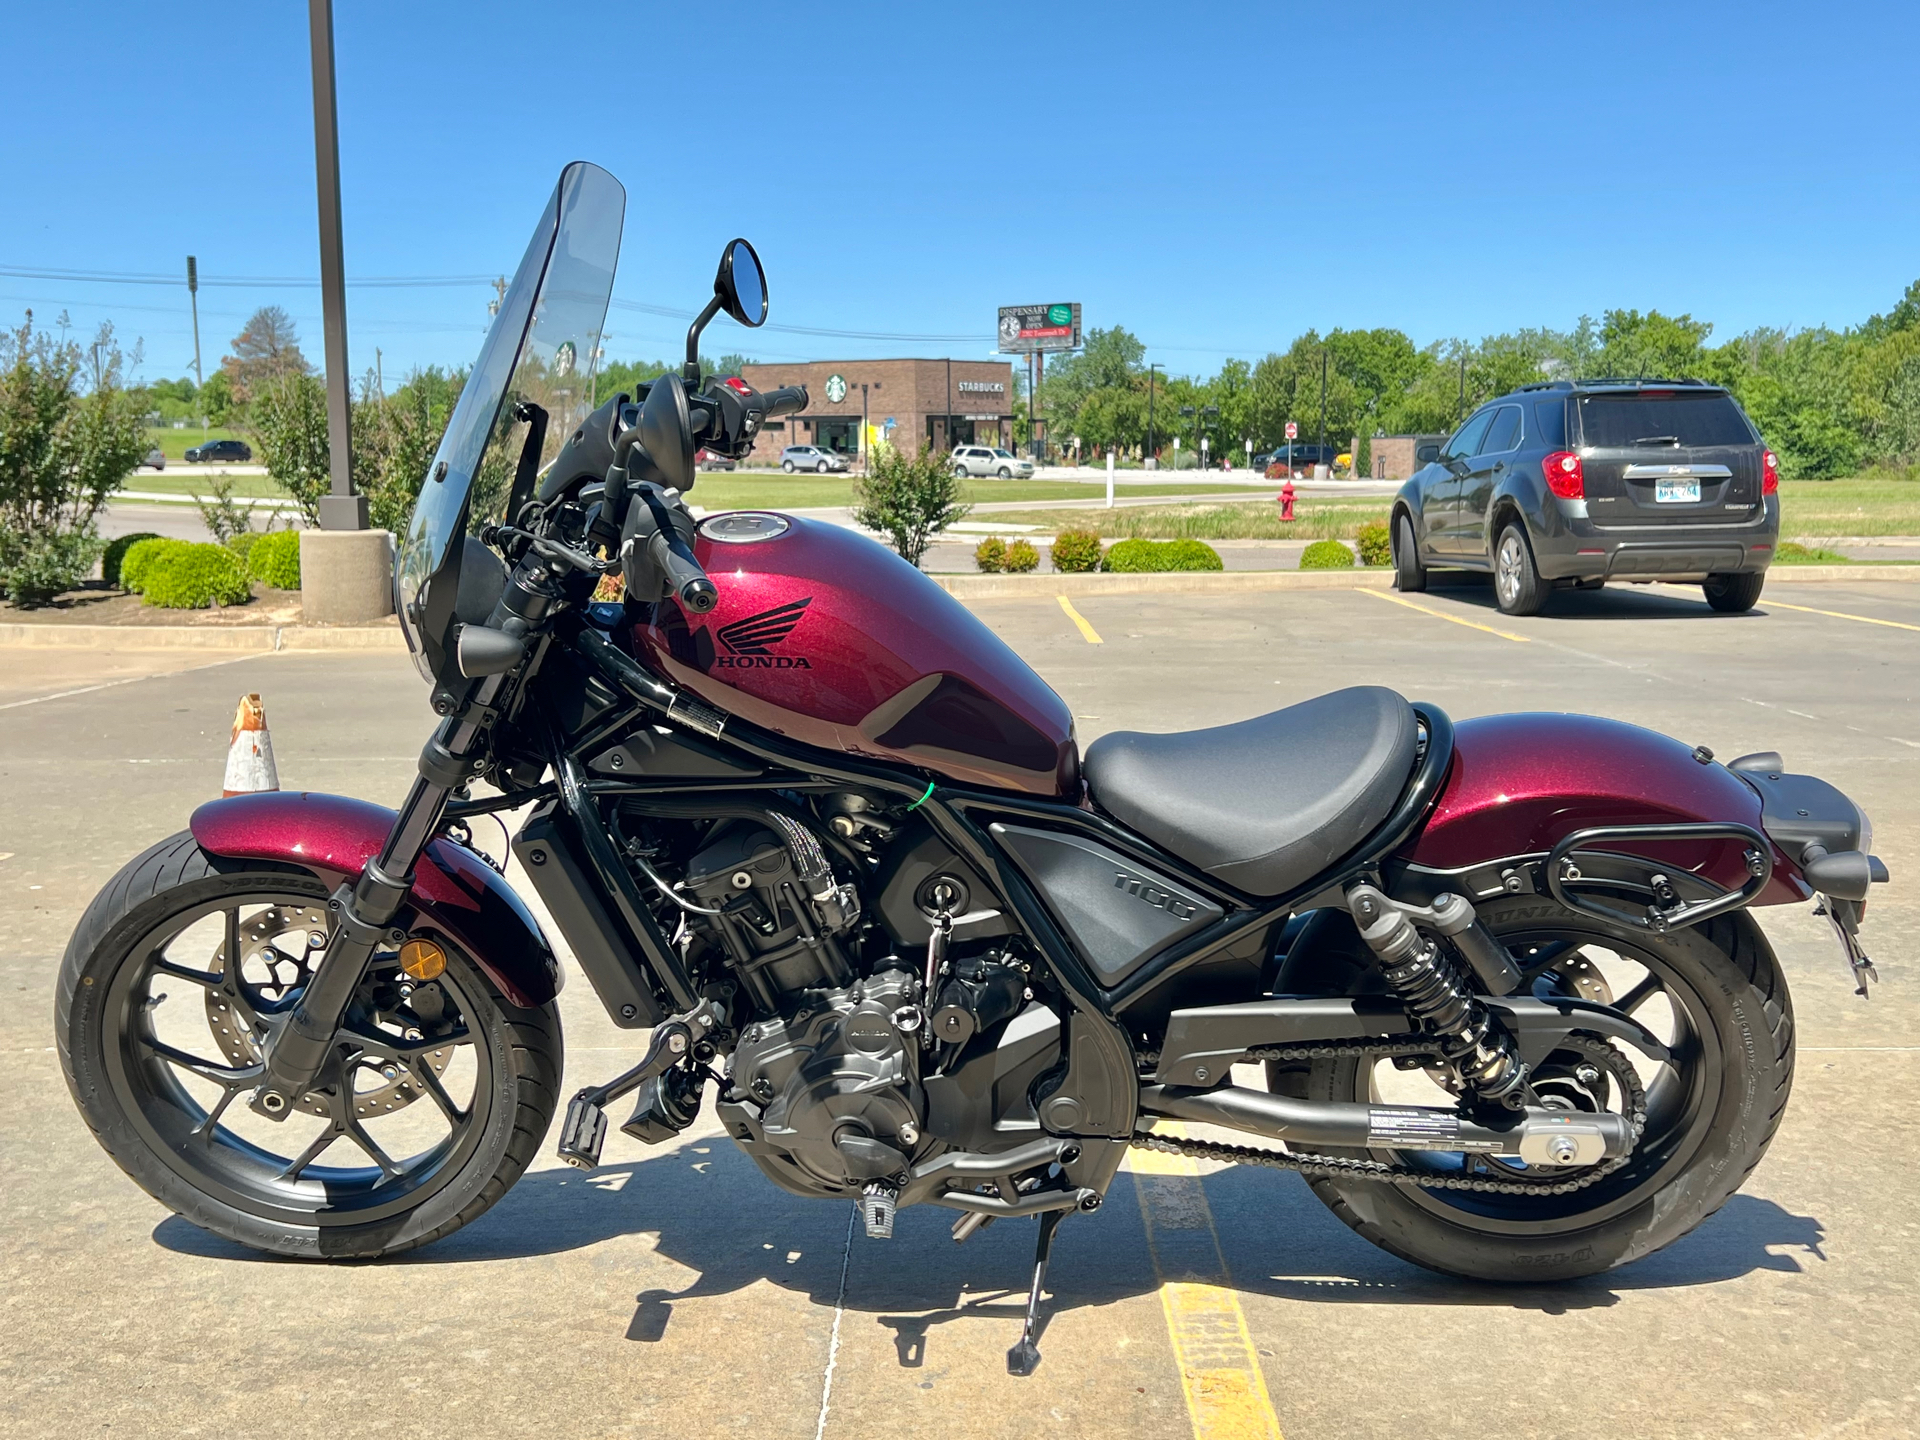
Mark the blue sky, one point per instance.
(1217, 178)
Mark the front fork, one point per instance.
(298, 1043)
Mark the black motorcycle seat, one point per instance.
(1268, 803)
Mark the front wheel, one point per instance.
(823, 467)
(1734, 594)
(433, 1099)
(1004, 473)
(1713, 994)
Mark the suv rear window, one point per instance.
(1663, 417)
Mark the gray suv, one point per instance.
(812, 457)
(1575, 483)
(981, 460)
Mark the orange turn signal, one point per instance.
(422, 960)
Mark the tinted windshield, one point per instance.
(1663, 417)
(541, 347)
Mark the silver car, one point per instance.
(980, 460)
(812, 457)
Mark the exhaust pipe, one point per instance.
(1536, 1136)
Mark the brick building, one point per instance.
(1396, 457)
(909, 403)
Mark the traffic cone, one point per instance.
(250, 757)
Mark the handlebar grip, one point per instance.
(787, 400)
(688, 581)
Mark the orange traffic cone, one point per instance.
(250, 758)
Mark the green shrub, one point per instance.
(196, 576)
(1134, 557)
(242, 543)
(1076, 551)
(990, 555)
(1022, 557)
(1792, 552)
(1376, 543)
(36, 567)
(142, 557)
(909, 499)
(1326, 555)
(116, 552)
(274, 560)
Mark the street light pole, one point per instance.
(1323, 405)
(1150, 437)
(341, 509)
(866, 443)
(193, 299)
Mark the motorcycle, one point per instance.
(830, 850)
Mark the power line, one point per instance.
(127, 277)
(672, 314)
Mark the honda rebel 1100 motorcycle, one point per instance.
(833, 847)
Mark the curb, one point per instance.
(261, 639)
(1190, 582)
(1804, 574)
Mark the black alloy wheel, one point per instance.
(1712, 993)
(1735, 594)
(1409, 575)
(431, 1103)
(1517, 587)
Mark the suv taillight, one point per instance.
(1769, 473)
(1562, 469)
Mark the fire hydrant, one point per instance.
(1286, 500)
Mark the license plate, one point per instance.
(1676, 492)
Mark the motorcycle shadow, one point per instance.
(716, 1215)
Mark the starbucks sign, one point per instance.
(836, 388)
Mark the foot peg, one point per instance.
(1024, 1358)
(583, 1133)
(876, 1211)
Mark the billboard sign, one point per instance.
(1028, 329)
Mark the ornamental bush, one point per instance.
(141, 558)
(1133, 557)
(1376, 543)
(194, 577)
(1076, 551)
(274, 560)
(1326, 555)
(116, 552)
(36, 568)
(1022, 557)
(990, 555)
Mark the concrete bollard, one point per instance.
(346, 576)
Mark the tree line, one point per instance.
(1830, 402)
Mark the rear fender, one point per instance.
(456, 894)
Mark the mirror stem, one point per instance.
(691, 371)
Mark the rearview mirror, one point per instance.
(741, 284)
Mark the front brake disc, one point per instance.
(285, 972)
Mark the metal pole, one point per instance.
(1460, 406)
(193, 299)
(1323, 402)
(1150, 369)
(948, 437)
(341, 509)
(866, 464)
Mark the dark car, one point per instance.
(1296, 462)
(1575, 483)
(220, 450)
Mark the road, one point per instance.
(674, 1290)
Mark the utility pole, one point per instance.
(1323, 402)
(193, 299)
(1148, 458)
(341, 509)
(379, 375)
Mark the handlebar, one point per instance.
(690, 583)
(787, 400)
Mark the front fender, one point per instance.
(1519, 784)
(455, 893)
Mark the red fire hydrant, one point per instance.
(1286, 500)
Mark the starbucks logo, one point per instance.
(836, 388)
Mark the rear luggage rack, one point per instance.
(1669, 911)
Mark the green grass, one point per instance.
(187, 480)
(174, 444)
(1860, 506)
(1793, 553)
(1239, 520)
(723, 491)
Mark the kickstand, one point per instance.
(1024, 1358)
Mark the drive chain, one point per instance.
(1340, 1167)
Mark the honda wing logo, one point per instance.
(749, 642)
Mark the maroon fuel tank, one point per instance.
(1519, 784)
(831, 639)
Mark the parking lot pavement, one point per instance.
(675, 1288)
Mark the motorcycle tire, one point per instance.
(128, 1086)
(1705, 1133)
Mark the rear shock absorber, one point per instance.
(1432, 988)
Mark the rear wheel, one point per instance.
(1516, 579)
(1408, 573)
(787, 465)
(1733, 594)
(432, 1101)
(1713, 994)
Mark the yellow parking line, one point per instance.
(1773, 604)
(1443, 615)
(1220, 1372)
(1093, 635)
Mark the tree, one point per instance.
(909, 499)
(65, 446)
(267, 349)
(288, 420)
(394, 440)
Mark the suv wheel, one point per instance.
(787, 465)
(1516, 579)
(1004, 473)
(1408, 573)
(823, 467)
(1733, 594)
